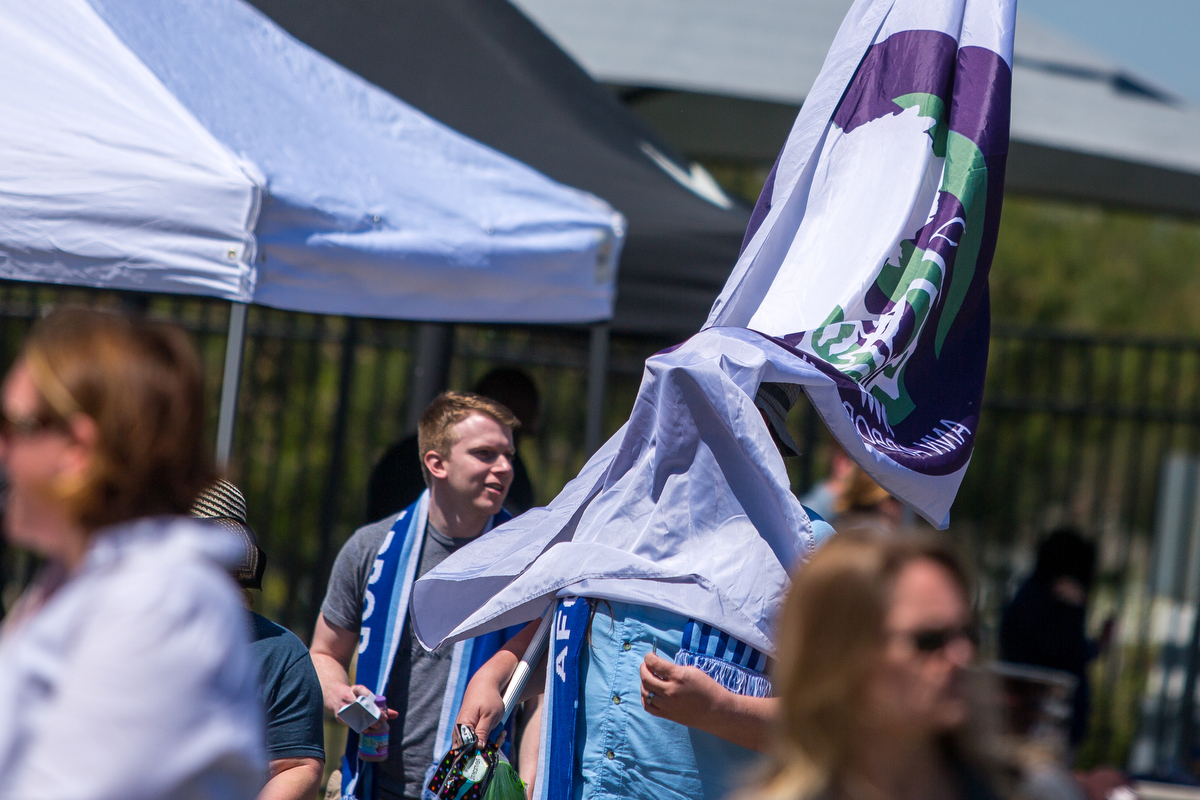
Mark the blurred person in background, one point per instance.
(396, 479)
(874, 643)
(824, 496)
(1043, 625)
(287, 681)
(863, 502)
(125, 668)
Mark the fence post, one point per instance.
(234, 344)
(597, 375)
(431, 369)
(337, 450)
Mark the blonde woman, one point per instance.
(873, 647)
(125, 670)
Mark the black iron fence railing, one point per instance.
(1076, 429)
(1080, 429)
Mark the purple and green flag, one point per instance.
(869, 248)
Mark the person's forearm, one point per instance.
(299, 782)
(744, 721)
(482, 706)
(496, 670)
(334, 680)
(499, 668)
(332, 652)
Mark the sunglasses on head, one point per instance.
(933, 640)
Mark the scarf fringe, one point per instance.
(734, 677)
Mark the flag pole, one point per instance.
(597, 376)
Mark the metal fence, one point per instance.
(1079, 430)
(1076, 428)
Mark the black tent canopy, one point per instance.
(484, 69)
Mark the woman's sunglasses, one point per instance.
(932, 640)
(25, 426)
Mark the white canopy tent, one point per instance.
(1083, 126)
(193, 147)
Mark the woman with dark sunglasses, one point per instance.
(125, 669)
(874, 644)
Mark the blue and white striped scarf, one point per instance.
(734, 664)
(385, 613)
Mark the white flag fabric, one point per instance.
(864, 280)
(869, 249)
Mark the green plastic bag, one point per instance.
(506, 784)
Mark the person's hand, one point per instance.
(348, 694)
(482, 708)
(681, 694)
(690, 697)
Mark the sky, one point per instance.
(1156, 39)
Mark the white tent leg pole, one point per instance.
(597, 375)
(229, 384)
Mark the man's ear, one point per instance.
(435, 464)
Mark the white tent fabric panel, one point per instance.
(105, 178)
(194, 147)
(372, 208)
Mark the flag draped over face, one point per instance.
(863, 280)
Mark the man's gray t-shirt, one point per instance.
(418, 679)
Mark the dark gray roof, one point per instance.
(1083, 126)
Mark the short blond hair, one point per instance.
(435, 431)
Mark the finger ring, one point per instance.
(650, 699)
